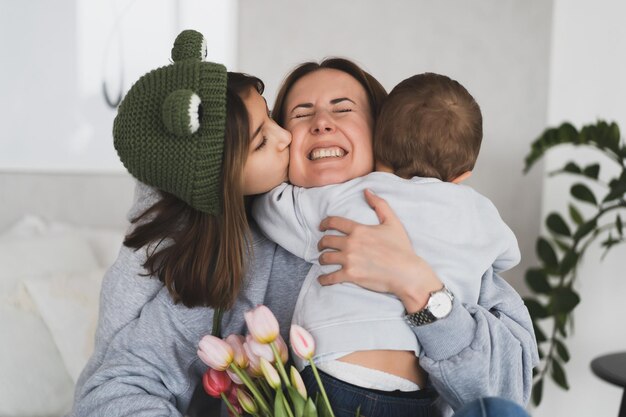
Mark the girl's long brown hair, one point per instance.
(200, 257)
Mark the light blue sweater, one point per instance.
(145, 359)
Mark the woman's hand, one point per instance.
(379, 258)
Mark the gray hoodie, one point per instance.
(145, 361)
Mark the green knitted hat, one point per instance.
(169, 129)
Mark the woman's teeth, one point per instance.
(320, 153)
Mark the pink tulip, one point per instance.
(254, 362)
(215, 352)
(270, 373)
(297, 382)
(215, 383)
(260, 350)
(239, 355)
(262, 324)
(282, 349)
(302, 342)
(234, 377)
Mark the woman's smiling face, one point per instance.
(329, 116)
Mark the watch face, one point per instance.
(440, 304)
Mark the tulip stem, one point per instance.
(279, 365)
(264, 387)
(230, 406)
(321, 387)
(253, 389)
(287, 407)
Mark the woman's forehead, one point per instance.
(326, 84)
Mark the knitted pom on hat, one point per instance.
(169, 129)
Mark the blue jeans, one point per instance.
(491, 407)
(346, 398)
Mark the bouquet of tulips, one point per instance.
(249, 373)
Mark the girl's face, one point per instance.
(268, 155)
(329, 117)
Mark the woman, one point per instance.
(313, 105)
(145, 359)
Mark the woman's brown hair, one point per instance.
(376, 93)
(200, 257)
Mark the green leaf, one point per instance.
(592, 171)
(537, 280)
(558, 375)
(309, 408)
(537, 392)
(617, 188)
(609, 241)
(567, 133)
(279, 405)
(297, 400)
(536, 310)
(560, 321)
(546, 253)
(561, 350)
(563, 300)
(614, 137)
(583, 193)
(562, 245)
(618, 224)
(568, 262)
(557, 225)
(575, 215)
(572, 167)
(585, 229)
(321, 406)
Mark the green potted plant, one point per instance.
(560, 250)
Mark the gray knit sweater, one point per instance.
(145, 361)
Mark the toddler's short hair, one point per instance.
(429, 126)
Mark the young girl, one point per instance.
(203, 137)
(206, 168)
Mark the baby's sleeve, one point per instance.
(279, 216)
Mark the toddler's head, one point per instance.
(429, 126)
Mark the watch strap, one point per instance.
(424, 316)
(420, 318)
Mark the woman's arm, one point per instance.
(482, 350)
(487, 349)
(125, 288)
(150, 365)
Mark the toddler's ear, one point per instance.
(181, 112)
(462, 177)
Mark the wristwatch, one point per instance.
(439, 306)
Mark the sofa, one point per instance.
(51, 266)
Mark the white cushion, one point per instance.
(33, 378)
(68, 304)
(105, 242)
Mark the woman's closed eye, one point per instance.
(344, 110)
(302, 115)
(262, 144)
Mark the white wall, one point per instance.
(57, 56)
(498, 49)
(587, 83)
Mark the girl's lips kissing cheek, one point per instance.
(326, 152)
